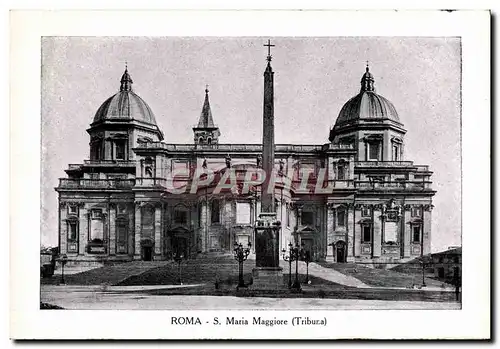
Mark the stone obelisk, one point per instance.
(267, 272)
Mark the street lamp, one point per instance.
(306, 257)
(241, 255)
(293, 255)
(423, 274)
(178, 259)
(287, 258)
(63, 259)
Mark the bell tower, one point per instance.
(206, 132)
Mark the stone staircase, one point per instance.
(109, 274)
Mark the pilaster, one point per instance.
(407, 232)
(158, 231)
(427, 212)
(112, 229)
(63, 227)
(377, 231)
(131, 231)
(330, 228)
(357, 231)
(84, 228)
(137, 235)
(350, 233)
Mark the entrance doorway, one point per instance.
(147, 253)
(180, 246)
(340, 249)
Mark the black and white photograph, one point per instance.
(253, 175)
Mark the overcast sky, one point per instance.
(314, 77)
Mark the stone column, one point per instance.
(158, 231)
(137, 235)
(84, 230)
(63, 227)
(377, 231)
(112, 229)
(350, 233)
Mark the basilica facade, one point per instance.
(353, 198)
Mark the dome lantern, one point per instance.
(367, 81)
(126, 81)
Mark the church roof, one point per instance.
(206, 120)
(125, 105)
(367, 104)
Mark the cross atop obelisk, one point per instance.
(268, 45)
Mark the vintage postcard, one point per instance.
(248, 184)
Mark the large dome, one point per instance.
(125, 105)
(367, 104)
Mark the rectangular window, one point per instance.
(242, 213)
(366, 211)
(215, 216)
(416, 211)
(373, 151)
(416, 233)
(367, 233)
(73, 231)
(121, 231)
(307, 218)
(120, 150)
(341, 218)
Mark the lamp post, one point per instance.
(293, 256)
(306, 257)
(241, 255)
(287, 258)
(63, 259)
(423, 274)
(178, 259)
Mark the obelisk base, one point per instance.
(268, 279)
(267, 274)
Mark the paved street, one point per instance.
(115, 298)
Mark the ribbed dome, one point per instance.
(367, 104)
(125, 105)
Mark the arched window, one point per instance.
(200, 140)
(209, 141)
